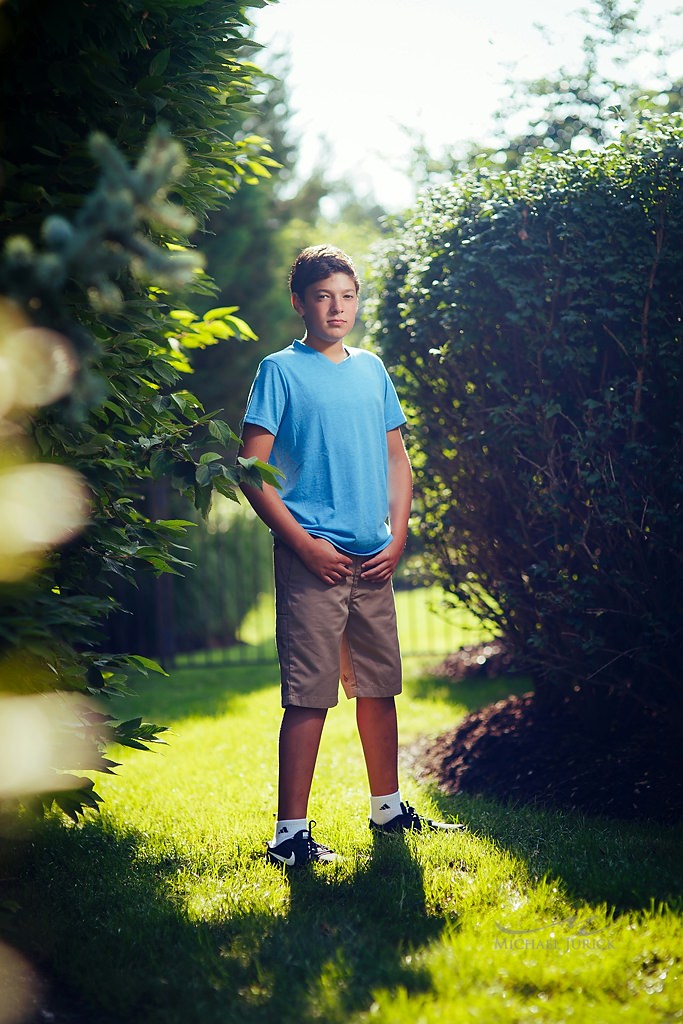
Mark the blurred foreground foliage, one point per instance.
(534, 323)
(96, 260)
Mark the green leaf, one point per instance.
(152, 83)
(146, 663)
(220, 312)
(141, 37)
(209, 457)
(226, 488)
(222, 432)
(129, 726)
(243, 327)
(162, 462)
(183, 315)
(258, 470)
(202, 498)
(175, 525)
(159, 63)
(203, 475)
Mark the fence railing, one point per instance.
(222, 612)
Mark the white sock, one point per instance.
(384, 808)
(288, 828)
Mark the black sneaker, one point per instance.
(299, 850)
(410, 821)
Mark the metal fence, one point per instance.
(222, 611)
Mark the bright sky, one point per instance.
(362, 69)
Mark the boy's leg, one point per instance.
(378, 731)
(371, 672)
(371, 662)
(310, 618)
(300, 734)
(293, 845)
(310, 615)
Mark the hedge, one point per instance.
(534, 323)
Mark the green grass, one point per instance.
(428, 624)
(165, 910)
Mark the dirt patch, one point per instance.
(624, 766)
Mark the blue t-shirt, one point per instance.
(330, 422)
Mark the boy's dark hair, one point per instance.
(317, 262)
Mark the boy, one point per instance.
(328, 417)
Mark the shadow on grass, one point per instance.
(468, 694)
(625, 865)
(356, 944)
(110, 927)
(197, 691)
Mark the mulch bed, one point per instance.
(626, 766)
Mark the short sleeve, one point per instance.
(393, 413)
(268, 398)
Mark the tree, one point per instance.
(265, 228)
(533, 323)
(585, 107)
(582, 106)
(104, 284)
(246, 256)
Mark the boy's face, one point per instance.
(328, 309)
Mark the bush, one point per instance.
(533, 322)
(100, 262)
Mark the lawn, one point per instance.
(164, 909)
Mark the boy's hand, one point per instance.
(324, 561)
(381, 567)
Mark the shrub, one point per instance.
(99, 262)
(533, 321)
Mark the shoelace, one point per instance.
(411, 814)
(315, 849)
(310, 841)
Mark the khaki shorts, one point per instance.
(325, 634)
